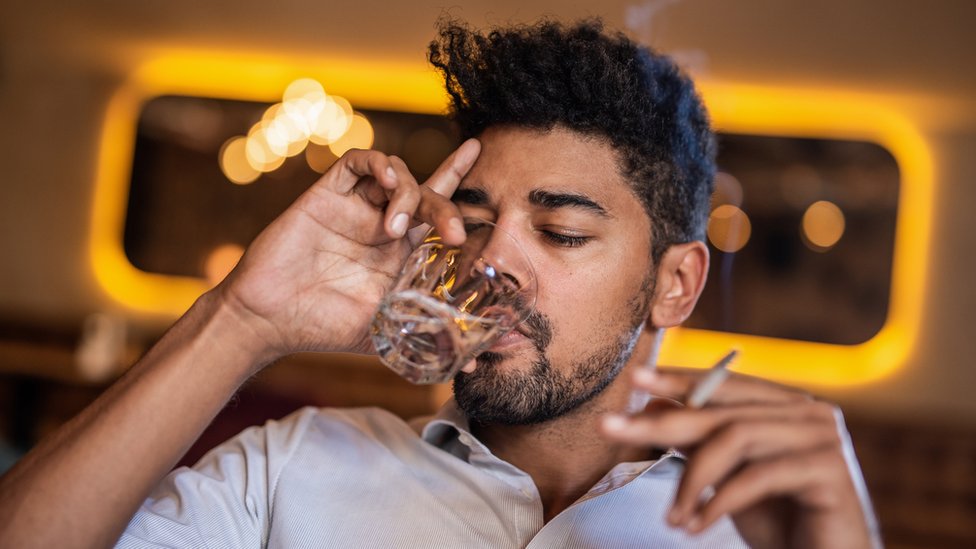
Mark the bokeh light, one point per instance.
(304, 88)
(358, 136)
(823, 226)
(306, 116)
(319, 157)
(270, 114)
(729, 228)
(333, 121)
(234, 163)
(221, 261)
(728, 190)
(259, 153)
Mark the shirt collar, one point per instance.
(450, 431)
(448, 422)
(449, 426)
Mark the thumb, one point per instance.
(449, 174)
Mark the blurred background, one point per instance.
(145, 144)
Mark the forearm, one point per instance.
(303, 284)
(80, 486)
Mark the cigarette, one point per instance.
(704, 389)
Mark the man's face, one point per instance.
(561, 195)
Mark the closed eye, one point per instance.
(564, 240)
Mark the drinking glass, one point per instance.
(452, 303)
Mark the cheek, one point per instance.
(588, 306)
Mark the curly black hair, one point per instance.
(598, 84)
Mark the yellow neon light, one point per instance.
(232, 76)
(734, 108)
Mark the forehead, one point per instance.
(514, 162)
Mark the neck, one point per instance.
(567, 456)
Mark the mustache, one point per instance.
(538, 328)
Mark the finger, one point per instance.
(449, 174)
(739, 443)
(403, 200)
(356, 164)
(444, 182)
(737, 389)
(686, 427)
(659, 404)
(437, 211)
(807, 478)
(471, 366)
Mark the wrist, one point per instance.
(252, 340)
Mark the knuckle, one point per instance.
(434, 206)
(736, 435)
(798, 395)
(826, 467)
(758, 475)
(831, 437)
(409, 191)
(727, 436)
(819, 461)
(352, 156)
(444, 206)
(822, 410)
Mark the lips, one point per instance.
(515, 337)
(522, 330)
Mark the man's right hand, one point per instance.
(311, 281)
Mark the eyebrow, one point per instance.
(543, 199)
(471, 196)
(551, 201)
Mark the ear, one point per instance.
(681, 277)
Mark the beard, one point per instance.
(491, 396)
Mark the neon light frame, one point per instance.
(734, 108)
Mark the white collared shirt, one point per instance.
(364, 478)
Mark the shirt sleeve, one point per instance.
(225, 499)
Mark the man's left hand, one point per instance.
(778, 461)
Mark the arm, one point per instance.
(310, 281)
(780, 462)
(84, 482)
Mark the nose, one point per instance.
(500, 249)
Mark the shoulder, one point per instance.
(366, 419)
(309, 429)
(320, 425)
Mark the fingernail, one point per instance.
(694, 524)
(391, 173)
(645, 376)
(674, 517)
(614, 423)
(399, 224)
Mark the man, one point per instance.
(596, 154)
